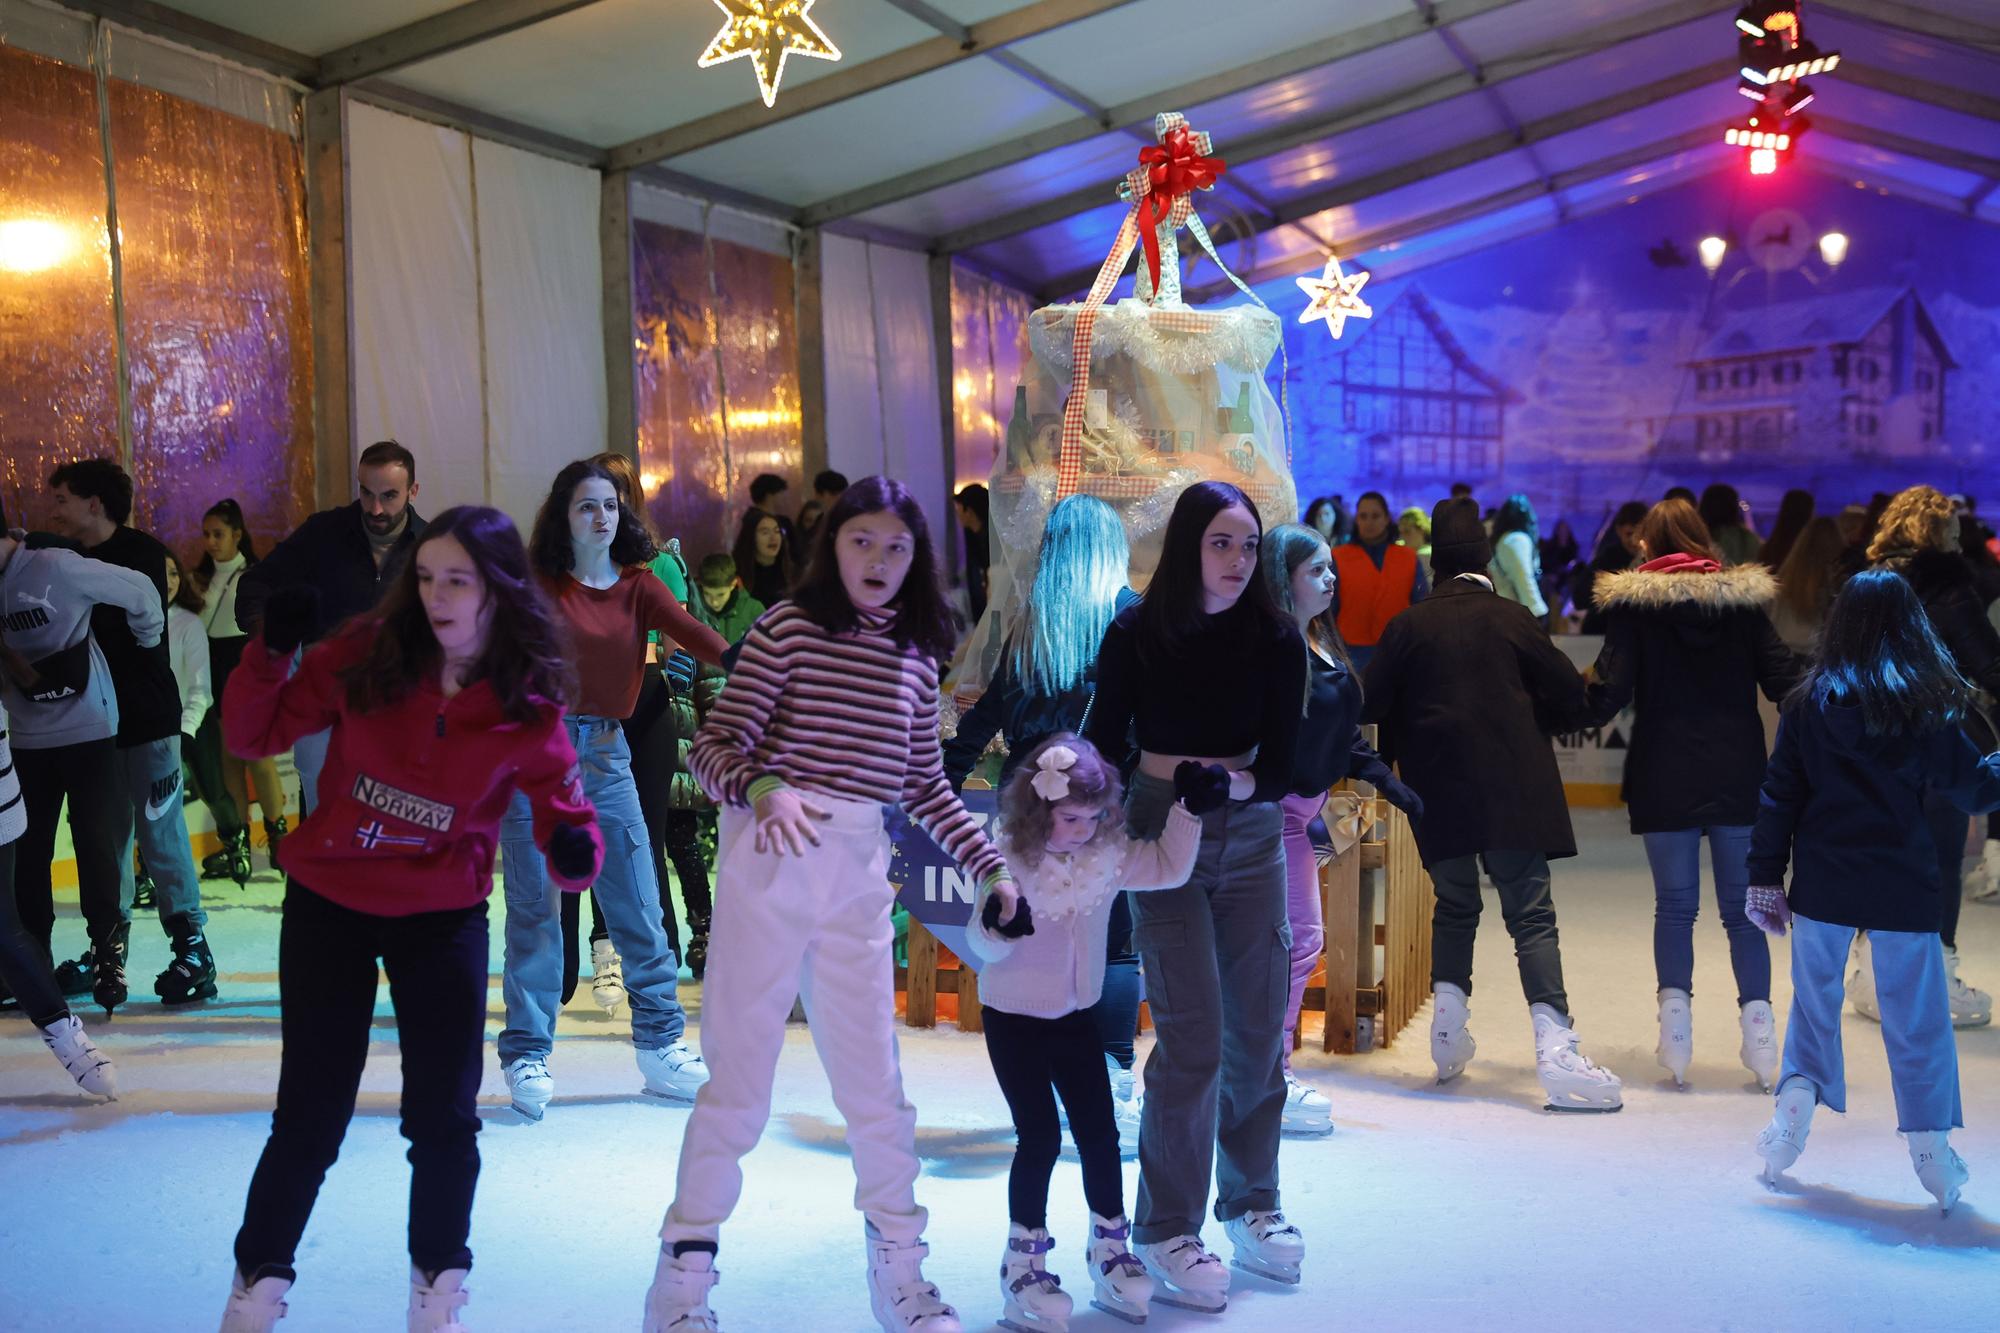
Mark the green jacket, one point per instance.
(735, 618)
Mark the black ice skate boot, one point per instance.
(191, 974)
(109, 989)
(697, 954)
(274, 833)
(233, 861)
(78, 975)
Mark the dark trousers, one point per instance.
(1522, 879)
(205, 762)
(327, 957)
(24, 965)
(1948, 823)
(1035, 1059)
(675, 834)
(100, 826)
(1117, 1010)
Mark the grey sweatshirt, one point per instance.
(46, 597)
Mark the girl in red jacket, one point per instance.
(441, 703)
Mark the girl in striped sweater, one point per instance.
(831, 714)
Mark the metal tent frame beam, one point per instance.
(440, 34)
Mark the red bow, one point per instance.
(1172, 169)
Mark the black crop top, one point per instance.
(1235, 686)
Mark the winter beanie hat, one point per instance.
(1459, 543)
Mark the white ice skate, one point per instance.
(1451, 1037)
(1125, 1104)
(1186, 1275)
(1267, 1245)
(436, 1301)
(1760, 1049)
(90, 1067)
(674, 1072)
(1307, 1111)
(256, 1308)
(902, 1300)
(1982, 882)
(1569, 1080)
(1861, 981)
(607, 978)
(678, 1301)
(1971, 1007)
(1785, 1137)
(1941, 1170)
(529, 1087)
(1119, 1283)
(1036, 1302)
(1676, 1049)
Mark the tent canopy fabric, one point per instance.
(1397, 132)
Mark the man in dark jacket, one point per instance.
(1467, 688)
(349, 556)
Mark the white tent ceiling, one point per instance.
(1399, 130)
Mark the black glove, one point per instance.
(1022, 924)
(1201, 787)
(571, 852)
(1401, 795)
(290, 618)
(680, 669)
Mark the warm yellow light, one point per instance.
(31, 245)
(1713, 248)
(755, 417)
(1833, 248)
(767, 31)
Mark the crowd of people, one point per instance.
(583, 702)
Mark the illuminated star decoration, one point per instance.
(1335, 296)
(767, 31)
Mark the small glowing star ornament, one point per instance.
(767, 31)
(1335, 296)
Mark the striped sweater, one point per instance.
(850, 715)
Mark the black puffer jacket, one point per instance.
(1944, 583)
(1690, 650)
(329, 553)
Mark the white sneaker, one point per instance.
(1186, 1275)
(436, 1301)
(1784, 1138)
(1452, 1046)
(256, 1308)
(1267, 1245)
(1035, 1300)
(675, 1072)
(1861, 981)
(529, 1086)
(902, 1300)
(1307, 1111)
(90, 1067)
(1971, 1007)
(1759, 1051)
(1676, 1049)
(1120, 1285)
(607, 978)
(1126, 1104)
(1982, 882)
(678, 1301)
(1569, 1080)
(1941, 1170)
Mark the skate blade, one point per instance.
(671, 1098)
(1116, 1312)
(1584, 1110)
(1312, 1131)
(1181, 1302)
(1289, 1277)
(207, 992)
(532, 1114)
(1035, 1325)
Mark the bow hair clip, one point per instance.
(1051, 780)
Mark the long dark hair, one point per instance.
(550, 545)
(744, 549)
(631, 486)
(525, 657)
(188, 598)
(1286, 547)
(1721, 507)
(1795, 510)
(1171, 608)
(231, 513)
(923, 621)
(1879, 652)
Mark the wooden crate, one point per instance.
(930, 963)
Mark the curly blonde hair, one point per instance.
(1918, 519)
(1026, 818)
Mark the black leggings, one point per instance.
(24, 966)
(100, 826)
(1035, 1059)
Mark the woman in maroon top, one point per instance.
(592, 556)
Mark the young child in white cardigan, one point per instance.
(1062, 831)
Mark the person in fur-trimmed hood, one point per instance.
(1689, 643)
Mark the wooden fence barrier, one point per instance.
(1353, 988)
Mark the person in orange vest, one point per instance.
(1379, 579)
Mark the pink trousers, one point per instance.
(1302, 905)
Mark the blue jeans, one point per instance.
(309, 757)
(1676, 862)
(627, 894)
(151, 774)
(1916, 1020)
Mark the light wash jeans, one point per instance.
(628, 896)
(1676, 861)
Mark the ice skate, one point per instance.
(190, 976)
(1307, 1111)
(435, 1301)
(607, 978)
(232, 862)
(697, 950)
(1035, 1300)
(1125, 1104)
(1676, 1048)
(1970, 1006)
(1759, 1051)
(90, 1067)
(1186, 1275)
(108, 987)
(1569, 1080)
(1119, 1284)
(674, 1072)
(902, 1300)
(1982, 882)
(1267, 1245)
(257, 1307)
(74, 976)
(529, 1087)
(1861, 981)
(274, 834)
(1939, 1167)
(678, 1301)
(1452, 1046)
(1785, 1137)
